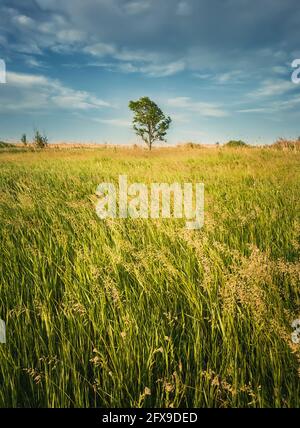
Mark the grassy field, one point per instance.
(143, 312)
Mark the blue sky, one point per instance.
(220, 68)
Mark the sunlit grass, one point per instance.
(143, 312)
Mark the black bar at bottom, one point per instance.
(136, 417)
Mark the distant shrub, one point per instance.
(236, 143)
(40, 141)
(283, 144)
(8, 146)
(191, 145)
(24, 139)
(3, 144)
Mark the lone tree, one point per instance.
(149, 121)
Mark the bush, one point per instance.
(236, 143)
(192, 145)
(40, 141)
(283, 144)
(3, 144)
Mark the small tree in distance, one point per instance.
(149, 121)
(40, 141)
(24, 139)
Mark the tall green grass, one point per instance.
(143, 312)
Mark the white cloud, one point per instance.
(70, 36)
(33, 62)
(23, 20)
(222, 77)
(100, 49)
(29, 91)
(152, 69)
(203, 76)
(68, 98)
(28, 48)
(136, 7)
(57, 32)
(136, 55)
(26, 80)
(230, 76)
(272, 87)
(136, 61)
(34, 34)
(127, 68)
(272, 106)
(181, 118)
(183, 8)
(255, 110)
(202, 108)
(279, 69)
(124, 123)
(163, 70)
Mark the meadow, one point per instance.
(144, 313)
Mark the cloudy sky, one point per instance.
(220, 68)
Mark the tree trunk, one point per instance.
(150, 141)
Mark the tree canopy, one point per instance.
(149, 122)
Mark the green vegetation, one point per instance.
(144, 312)
(235, 143)
(284, 144)
(40, 141)
(24, 139)
(149, 121)
(7, 147)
